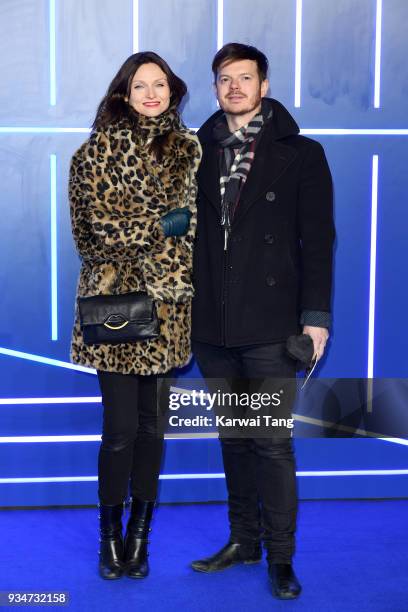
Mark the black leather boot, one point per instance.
(138, 528)
(285, 585)
(111, 542)
(231, 554)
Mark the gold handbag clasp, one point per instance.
(115, 322)
(116, 327)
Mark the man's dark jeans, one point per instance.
(260, 472)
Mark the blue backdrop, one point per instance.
(340, 68)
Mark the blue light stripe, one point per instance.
(96, 437)
(48, 439)
(43, 130)
(53, 70)
(395, 441)
(377, 66)
(373, 260)
(45, 360)
(355, 131)
(220, 23)
(305, 131)
(54, 248)
(42, 401)
(63, 439)
(220, 475)
(135, 26)
(373, 268)
(298, 52)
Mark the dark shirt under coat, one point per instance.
(278, 266)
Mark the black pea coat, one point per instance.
(279, 257)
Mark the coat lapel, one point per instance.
(271, 160)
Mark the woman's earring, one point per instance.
(126, 99)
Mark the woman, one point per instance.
(132, 197)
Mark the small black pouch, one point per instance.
(113, 319)
(301, 349)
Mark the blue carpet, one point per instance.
(351, 555)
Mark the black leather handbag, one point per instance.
(113, 319)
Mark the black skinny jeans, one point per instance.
(132, 444)
(260, 472)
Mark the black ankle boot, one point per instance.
(284, 582)
(111, 542)
(136, 562)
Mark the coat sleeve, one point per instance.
(106, 234)
(316, 229)
(190, 200)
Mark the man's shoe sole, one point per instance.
(220, 569)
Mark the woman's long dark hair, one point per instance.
(113, 106)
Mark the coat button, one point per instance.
(270, 281)
(268, 238)
(270, 196)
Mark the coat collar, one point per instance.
(270, 149)
(282, 124)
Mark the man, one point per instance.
(262, 272)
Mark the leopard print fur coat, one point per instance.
(117, 194)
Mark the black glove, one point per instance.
(176, 222)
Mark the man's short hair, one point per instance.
(232, 52)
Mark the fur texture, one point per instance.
(117, 195)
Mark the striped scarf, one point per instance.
(236, 156)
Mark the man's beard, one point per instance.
(250, 109)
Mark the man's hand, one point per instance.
(319, 335)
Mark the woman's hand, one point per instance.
(176, 222)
